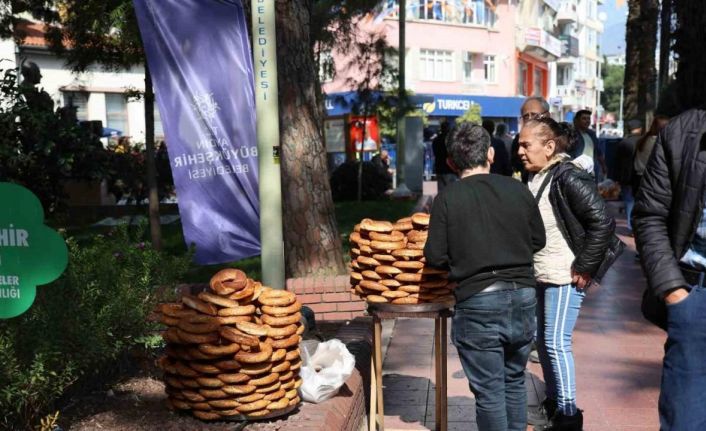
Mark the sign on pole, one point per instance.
(31, 253)
(199, 57)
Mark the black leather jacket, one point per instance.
(670, 199)
(581, 216)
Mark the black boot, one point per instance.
(540, 415)
(561, 422)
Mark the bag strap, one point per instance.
(545, 183)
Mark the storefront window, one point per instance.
(79, 101)
(522, 79)
(538, 81)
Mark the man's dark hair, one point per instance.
(468, 146)
(489, 125)
(501, 129)
(582, 112)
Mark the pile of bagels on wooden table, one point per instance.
(388, 265)
(232, 350)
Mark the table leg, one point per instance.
(373, 389)
(443, 372)
(378, 372)
(437, 373)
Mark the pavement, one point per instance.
(618, 362)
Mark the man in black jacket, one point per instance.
(669, 222)
(485, 229)
(444, 174)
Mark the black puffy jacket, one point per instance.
(581, 216)
(670, 200)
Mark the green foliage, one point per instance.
(613, 77)
(472, 115)
(81, 325)
(40, 147)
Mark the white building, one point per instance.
(576, 76)
(97, 94)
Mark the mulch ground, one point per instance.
(137, 403)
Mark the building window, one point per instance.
(468, 66)
(79, 101)
(116, 112)
(522, 78)
(563, 75)
(490, 67)
(436, 65)
(158, 127)
(327, 70)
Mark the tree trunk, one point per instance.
(665, 42)
(648, 46)
(688, 45)
(153, 195)
(631, 81)
(312, 242)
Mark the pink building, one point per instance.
(459, 52)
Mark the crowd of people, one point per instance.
(536, 246)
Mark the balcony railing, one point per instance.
(568, 11)
(474, 12)
(539, 38)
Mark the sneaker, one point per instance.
(561, 422)
(539, 416)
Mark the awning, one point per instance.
(347, 102)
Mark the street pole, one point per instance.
(402, 190)
(620, 116)
(268, 148)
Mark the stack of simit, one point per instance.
(388, 265)
(232, 351)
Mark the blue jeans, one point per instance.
(628, 201)
(557, 310)
(682, 400)
(493, 333)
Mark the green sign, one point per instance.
(31, 253)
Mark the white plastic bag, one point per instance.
(325, 368)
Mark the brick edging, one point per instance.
(329, 297)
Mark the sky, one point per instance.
(613, 38)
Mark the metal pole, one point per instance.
(401, 190)
(266, 100)
(620, 116)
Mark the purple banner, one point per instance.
(199, 57)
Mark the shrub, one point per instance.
(82, 324)
(344, 182)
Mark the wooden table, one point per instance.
(437, 311)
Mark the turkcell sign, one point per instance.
(198, 53)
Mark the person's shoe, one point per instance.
(539, 416)
(534, 356)
(561, 422)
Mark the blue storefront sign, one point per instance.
(437, 105)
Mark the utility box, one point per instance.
(414, 153)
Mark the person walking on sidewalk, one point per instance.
(669, 221)
(485, 229)
(444, 174)
(579, 232)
